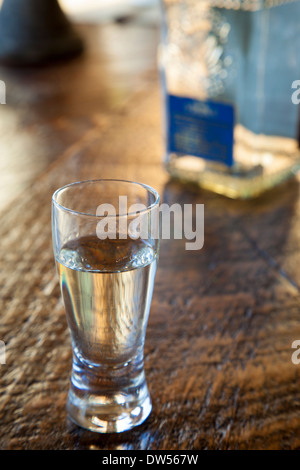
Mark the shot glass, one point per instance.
(106, 245)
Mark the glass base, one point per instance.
(109, 400)
(110, 416)
(260, 163)
(233, 183)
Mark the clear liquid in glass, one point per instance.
(107, 289)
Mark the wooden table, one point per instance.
(218, 354)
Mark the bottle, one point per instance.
(229, 71)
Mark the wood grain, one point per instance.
(218, 346)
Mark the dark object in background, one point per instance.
(33, 32)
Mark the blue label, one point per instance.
(200, 128)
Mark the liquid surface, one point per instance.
(92, 254)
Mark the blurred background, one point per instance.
(93, 10)
(106, 10)
(45, 105)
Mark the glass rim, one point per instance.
(104, 180)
